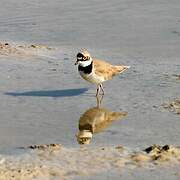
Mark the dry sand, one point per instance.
(42, 96)
(55, 161)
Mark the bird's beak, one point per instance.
(76, 63)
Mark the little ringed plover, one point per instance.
(96, 71)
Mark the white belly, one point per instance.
(92, 78)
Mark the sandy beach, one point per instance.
(43, 98)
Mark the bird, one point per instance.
(96, 71)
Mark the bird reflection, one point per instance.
(95, 120)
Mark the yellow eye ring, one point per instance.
(84, 58)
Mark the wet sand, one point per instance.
(43, 97)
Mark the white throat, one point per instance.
(85, 63)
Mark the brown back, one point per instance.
(107, 70)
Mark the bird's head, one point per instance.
(83, 58)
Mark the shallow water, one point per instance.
(41, 105)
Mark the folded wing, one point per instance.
(107, 70)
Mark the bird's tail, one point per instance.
(121, 68)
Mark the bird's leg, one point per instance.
(97, 90)
(99, 100)
(102, 89)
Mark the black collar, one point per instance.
(87, 69)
